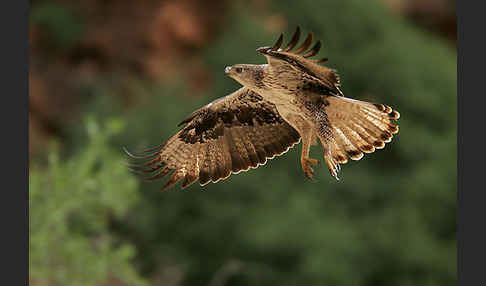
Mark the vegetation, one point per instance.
(71, 206)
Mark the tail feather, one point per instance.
(372, 129)
(365, 135)
(358, 127)
(358, 141)
(338, 155)
(345, 141)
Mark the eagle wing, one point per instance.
(229, 135)
(300, 59)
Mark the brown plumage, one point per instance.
(288, 100)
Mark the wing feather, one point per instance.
(212, 157)
(276, 57)
(237, 150)
(259, 149)
(250, 149)
(229, 135)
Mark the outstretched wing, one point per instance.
(300, 59)
(229, 135)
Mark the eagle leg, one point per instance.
(307, 140)
(308, 170)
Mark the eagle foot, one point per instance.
(314, 162)
(308, 171)
(333, 166)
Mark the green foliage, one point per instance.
(71, 205)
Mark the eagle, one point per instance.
(290, 99)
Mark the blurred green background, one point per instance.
(107, 74)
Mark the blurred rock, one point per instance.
(438, 16)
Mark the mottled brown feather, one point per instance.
(229, 135)
(325, 75)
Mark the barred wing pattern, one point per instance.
(358, 127)
(227, 136)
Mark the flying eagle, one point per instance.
(290, 99)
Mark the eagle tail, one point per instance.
(358, 127)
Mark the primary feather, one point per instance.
(229, 135)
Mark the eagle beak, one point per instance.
(227, 70)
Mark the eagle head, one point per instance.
(248, 75)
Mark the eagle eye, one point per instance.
(238, 70)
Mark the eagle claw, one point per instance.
(314, 162)
(308, 171)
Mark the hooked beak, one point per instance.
(227, 70)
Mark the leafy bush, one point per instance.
(71, 205)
